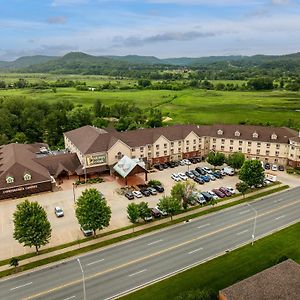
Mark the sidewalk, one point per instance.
(128, 231)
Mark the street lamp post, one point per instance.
(73, 187)
(83, 279)
(254, 226)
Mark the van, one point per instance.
(207, 196)
(228, 171)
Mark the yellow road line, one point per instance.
(155, 254)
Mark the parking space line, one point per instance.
(204, 225)
(139, 272)
(20, 286)
(196, 250)
(95, 262)
(155, 242)
(242, 232)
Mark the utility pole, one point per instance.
(83, 279)
(254, 225)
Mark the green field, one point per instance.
(229, 268)
(279, 108)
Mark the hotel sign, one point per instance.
(96, 159)
(20, 189)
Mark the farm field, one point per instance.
(278, 108)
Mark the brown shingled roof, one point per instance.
(16, 160)
(281, 281)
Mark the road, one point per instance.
(117, 269)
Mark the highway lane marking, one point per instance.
(204, 225)
(72, 297)
(196, 250)
(78, 281)
(244, 212)
(95, 262)
(280, 217)
(136, 273)
(155, 242)
(242, 232)
(20, 286)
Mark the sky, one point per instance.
(161, 28)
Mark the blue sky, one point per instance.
(163, 28)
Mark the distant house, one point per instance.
(281, 281)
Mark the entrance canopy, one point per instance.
(127, 166)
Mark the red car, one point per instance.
(225, 191)
(219, 193)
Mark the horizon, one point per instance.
(160, 28)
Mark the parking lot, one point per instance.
(66, 229)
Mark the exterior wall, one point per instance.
(73, 149)
(115, 153)
(294, 154)
(25, 190)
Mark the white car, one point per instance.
(182, 176)
(207, 170)
(187, 162)
(182, 162)
(212, 177)
(231, 190)
(58, 212)
(137, 194)
(215, 197)
(175, 177)
(163, 213)
(274, 168)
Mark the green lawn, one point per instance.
(229, 268)
(189, 106)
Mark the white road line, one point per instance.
(72, 297)
(244, 231)
(196, 250)
(280, 217)
(244, 212)
(204, 225)
(154, 242)
(137, 273)
(95, 262)
(20, 286)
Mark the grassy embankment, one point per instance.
(229, 268)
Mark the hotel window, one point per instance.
(172, 144)
(277, 153)
(214, 140)
(187, 149)
(248, 150)
(172, 151)
(277, 146)
(249, 144)
(165, 146)
(240, 143)
(222, 141)
(255, 135)
(142, 149)
(231, 148)
(240, 148)
(200, 141)
(258, 151)
(157, 147)
(149, 147)
(179, 150)
(149, 154)
(194, 141)
(293, 148)
(142, 155)
(267, 152)
(132, 149)
(133, 156)
(214, 147)
(179, 143)
(194, 148)
(237, 133)
(268, 145)
(187, 142)
(220, 132)
(258, 144)
(157, 154)
(231, 142)
(165, 152)
(9, 179)
(27, 177)
(222, 147)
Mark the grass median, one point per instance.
(124, 237)
(229, 268)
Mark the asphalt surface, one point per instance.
(123, 267)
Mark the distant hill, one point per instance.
(82, 63)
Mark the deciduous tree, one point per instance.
(242, 187)
(215, 159)
(170, 205)
(252, 173)
(235, 160)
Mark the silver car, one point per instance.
(58, 212)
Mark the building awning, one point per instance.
(127, 166)
(98, 169)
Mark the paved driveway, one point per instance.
(66, 229)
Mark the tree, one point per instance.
(252, 173)
(32, 227)
(235, 160)
(242, 187)
(144, 82)
(170, 205)
(133, 213)
(14, 262)
(260, 83)
(215, 158)
(144, 210)
(92, 211)
(183, 191)
(155, 118)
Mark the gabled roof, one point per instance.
(126, 165)
(18, 159)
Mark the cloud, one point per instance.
(134, 41)
(68, 2)
(281, 2)
(57, 20)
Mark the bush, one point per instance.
(154, 182)
(90, 181)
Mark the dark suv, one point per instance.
(145, 192)
(159, 188)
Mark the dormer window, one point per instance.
(27, 176)
(255, 135)
(274, 136)
(237, 133)
(220, 132)
(9, 179)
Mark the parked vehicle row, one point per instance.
(274, 167)
(173, 164)
(146, 191)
